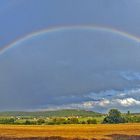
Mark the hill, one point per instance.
(56, 113)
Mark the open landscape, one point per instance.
(58, 132)
(70, 70)
(69, 125)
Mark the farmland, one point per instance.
(69, 125)
(96, 131)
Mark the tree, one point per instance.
(83, 122)
(128, 112)
(27, 122)
(40, 121)
(59, 121)
(114, 116)
(7, 121)
(92, 121)
(73, 121)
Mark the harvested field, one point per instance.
(71, 132)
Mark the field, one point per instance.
(57, 132)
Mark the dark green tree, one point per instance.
(73, 121)
(128, 112)
(92, 121)
(40, 121)
(27, 122)
(114, 116)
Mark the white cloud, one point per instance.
(104, 103)
(128, 102)
(88, 104)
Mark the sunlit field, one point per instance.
(96, 131)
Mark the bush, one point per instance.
(83, 122)
(40, 121)
(73, 121)
(7, 121)
(27, 122)
(92, 121)
(59, 121)
(50, 123)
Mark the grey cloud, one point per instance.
(77, 64)
(102, 105)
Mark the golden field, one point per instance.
(98, 131)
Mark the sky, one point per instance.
(81, 54)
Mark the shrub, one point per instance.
(92, 121)
(7, 121)
(114, 116)
(40, 121)
(73, 121)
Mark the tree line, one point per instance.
(54, 121)
(114, 116)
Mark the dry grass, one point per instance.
(98, 131)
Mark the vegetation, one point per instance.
(114, 116)
(56, 113)
(113, 125)
(7, 121)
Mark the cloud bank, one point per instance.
(124, 100)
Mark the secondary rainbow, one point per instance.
(57, 29)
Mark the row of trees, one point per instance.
(53, 121)
(7, 121)
(57, 121)
(113, 116)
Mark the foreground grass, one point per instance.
(98, 131)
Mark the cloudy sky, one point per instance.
(70, 54)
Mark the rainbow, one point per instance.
(57, 29)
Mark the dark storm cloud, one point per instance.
(63, 67)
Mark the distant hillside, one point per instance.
(56, 113)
